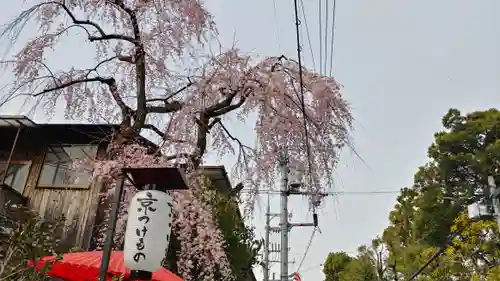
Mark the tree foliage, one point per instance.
(242, 247)
(26, 241)
(431, 215)
(152, 71)
(335, 264)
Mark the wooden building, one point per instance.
(36, 169)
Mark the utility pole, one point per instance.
(494, 196)
(283, 162)
(269, 247)
(288, 189)
(266, 242)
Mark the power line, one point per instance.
(312, 267)
(285, 192)
(307, 249)
(334, 193)
(326, 35)
(326, 56)
(320, 12)
(333, 38)
(277, 25)
(308, 33)
(301, 84)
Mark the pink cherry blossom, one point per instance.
(152, 73)
(199, 236)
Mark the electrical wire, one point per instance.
(311, 268)
(301, 84)
(332, 42)
(334, 193)
(326, 56)
(277, 25)
(307, 250)
(302, 102)
(326, 35)
(320, 13)
(304, 17)
(302, 99)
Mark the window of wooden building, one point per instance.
(62, 166)
(16, 174)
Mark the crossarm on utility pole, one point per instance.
(302, 224)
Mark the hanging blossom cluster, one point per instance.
(269, 88)
(201, 240)
(164, 32)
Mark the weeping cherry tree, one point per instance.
(139, 79)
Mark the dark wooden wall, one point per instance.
(78, 206)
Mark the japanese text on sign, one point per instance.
(146, 206)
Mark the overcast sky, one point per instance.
(402, 63)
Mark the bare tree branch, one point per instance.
(167, 108)
(189, 84)
(230, 107)
(101, 63)
(103, 35)
(154, 129)
(110, 82)
(204, 126)
(241, 146)
(226, 106)
(74, 82)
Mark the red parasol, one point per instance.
(84, 266)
